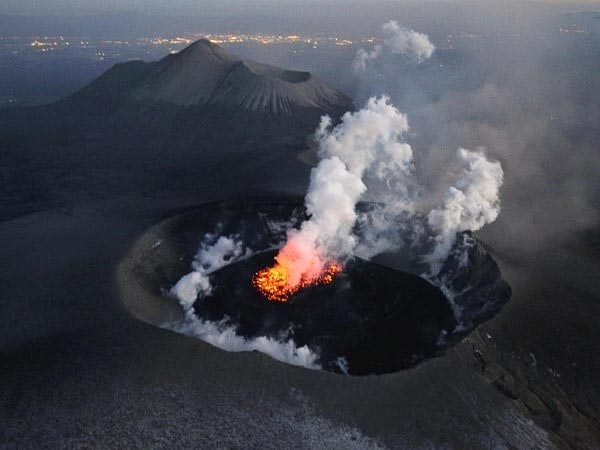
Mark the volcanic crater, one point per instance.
(370, 319)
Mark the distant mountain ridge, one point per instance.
(162, 124)
(206, 74)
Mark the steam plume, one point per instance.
(472, 202)
(365, 143)
(225, 336)
(365, 150)
(399, 40)
(212, 255)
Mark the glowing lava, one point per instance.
(274, 282)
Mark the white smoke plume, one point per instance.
(399, 40)
(225, 250)
(366, 143)
(209, 258)
(189, 287)
(472, 202)
(365, 152)
(405, 41)
(363, 57)
(225, 337)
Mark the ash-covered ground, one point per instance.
(79, 370)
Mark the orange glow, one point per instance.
(274, 282)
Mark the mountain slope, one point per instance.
(206, 74)
(161, 125)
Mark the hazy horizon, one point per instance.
(235, 7)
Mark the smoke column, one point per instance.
(366, 143)
(472, 202)
(366, 149)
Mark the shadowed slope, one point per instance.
(206, 74)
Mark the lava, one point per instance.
(274, 282)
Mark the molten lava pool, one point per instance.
(274, 282)
(375, 319)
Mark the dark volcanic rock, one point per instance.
(184, 111)
(378, 319)
(206, 74)
(472, 276)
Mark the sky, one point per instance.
(174, 7)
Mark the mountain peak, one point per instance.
(203, 49)
(203, 43)
(205, 73)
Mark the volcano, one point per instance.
(372, 317)
(206, 74)
(185, 111)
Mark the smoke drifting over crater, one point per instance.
(214, 253)
(529, 94)
(366, 156)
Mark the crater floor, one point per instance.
(369, 320)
